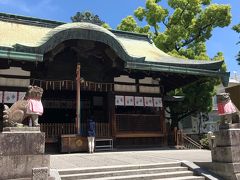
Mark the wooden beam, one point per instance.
(137, 135)
(78, 99)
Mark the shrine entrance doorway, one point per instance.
(57, 76)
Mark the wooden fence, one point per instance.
(53, 131)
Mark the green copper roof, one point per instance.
(29, 20)
(128, 46)
(178, 70)
(20, 56)
(81, 31)
(136, 50)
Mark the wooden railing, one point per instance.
(54, 130)
(189, 143)
(183, 141)
(103, 130)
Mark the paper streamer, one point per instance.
(129, 100)
(119, 100)
(138, 101)
(157, 102)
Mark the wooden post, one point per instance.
(78, 99)
(111, 114)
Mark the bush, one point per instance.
(204, 142)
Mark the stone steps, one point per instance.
(167, 171)
(184, 178)
(118, 168)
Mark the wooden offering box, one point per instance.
(73, 143)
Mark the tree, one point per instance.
(129, 24)
(183, 33)
(89, 17)
(237, 29)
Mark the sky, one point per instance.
(113, 11)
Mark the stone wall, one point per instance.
(21, 150)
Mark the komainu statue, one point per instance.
(30, 107)
(226, 109)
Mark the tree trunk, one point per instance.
(174, 123)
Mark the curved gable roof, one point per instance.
(81, 31)
(136, 50)
(130, 47)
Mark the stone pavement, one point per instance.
(130, 157)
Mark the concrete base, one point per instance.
(22, 142)
(227, 137)
(228, 171)
(40, 173)
(20, 166)
(21, 150)
(21, 129)
(229, 126)
(229, 154)
(225, 156)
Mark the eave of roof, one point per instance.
(20, 56)
(156, 67)
(125, 49)
(29, 20)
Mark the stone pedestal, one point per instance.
(226, 154)
(22, 150)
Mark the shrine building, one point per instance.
(120, 77)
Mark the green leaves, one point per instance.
(106, 26)
(206, 2)
(183, 34)
(216, 15)
(186, 29)
(152, 13)
(237, 29)
(129, 24)
(139, 13)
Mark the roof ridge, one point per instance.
(29, 20)
(52, 24)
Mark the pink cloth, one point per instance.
(34, 107)
(226, 108)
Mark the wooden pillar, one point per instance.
(163, 125)
(137, 86)
(111, 114)
(78, 99)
